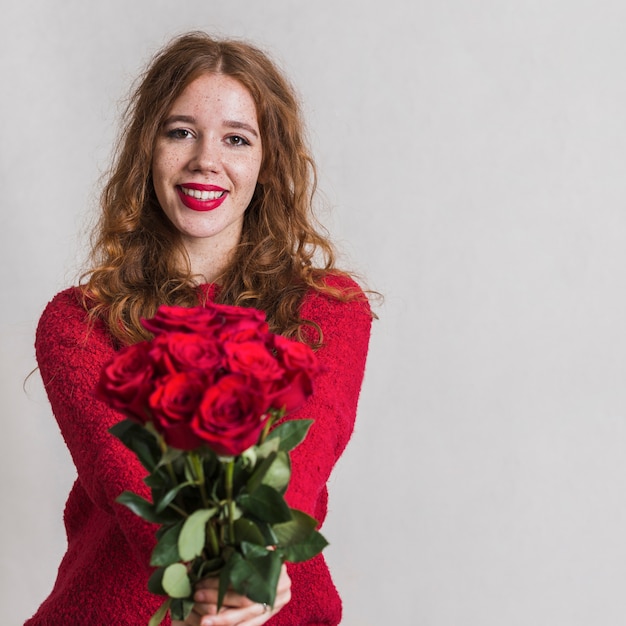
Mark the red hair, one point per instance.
(136, 250)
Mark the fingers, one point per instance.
(207, 595)
(237, 610)
(254, 615)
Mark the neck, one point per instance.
(208, 263)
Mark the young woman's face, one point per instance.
(206, 161)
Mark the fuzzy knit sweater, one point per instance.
(103, 575)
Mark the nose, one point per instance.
(206, 156)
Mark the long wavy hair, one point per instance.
(137, 252)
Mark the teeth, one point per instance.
(203, 195)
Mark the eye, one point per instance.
(237, 140)
(178, 133)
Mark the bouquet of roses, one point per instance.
(201, 399)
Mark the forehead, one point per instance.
(216, 96)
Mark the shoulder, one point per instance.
(65, 322)
(340, 306)
(65, 303)
(66, 306)
(338, 291)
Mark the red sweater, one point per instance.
(102, 577)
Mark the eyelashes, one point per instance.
(178, 133)
(184, 133)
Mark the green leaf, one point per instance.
(266, 504)
(257, 577)
(298, 540)
(158, 479)
(253, 550)
(298, 527)
(267, 447)
(279, 472)
(138, 505)
(181, 608)
(176, 582)
(166, 550)
(274, 471)
(167, 499)
(259, 472)
(206, 569)
(306, 549)
(145, 509)
(247, 531)
(160, 614)
(193, 534)
(143, 443)
(155, 582)
(290, 433)
(225, 577)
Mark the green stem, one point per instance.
(215, 548)
(163, 446)
(230, 469)
(197, 470)
(178, 509)
(274, 416)
(205, 499)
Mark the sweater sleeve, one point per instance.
(71, 353)
(345, 330)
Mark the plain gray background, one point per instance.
(472, 159)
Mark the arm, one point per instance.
(346, 330)
(71, 354)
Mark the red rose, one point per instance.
(253, 359)
(300, 365)
(295, 355)
(292, 393)
(231, 415)
(209, 319)
(174, 401)
(237, 323)
(125, 382)
(176, 319)
(180, 352)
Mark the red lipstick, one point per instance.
(209, 200)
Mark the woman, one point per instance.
(209, 198)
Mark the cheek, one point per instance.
(249, 172)
(164, 165)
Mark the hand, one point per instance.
(237, 610)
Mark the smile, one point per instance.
(200, 198)
(202, 195)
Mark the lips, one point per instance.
(198, 197)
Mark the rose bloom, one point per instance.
(253, 359)
(236, 323)
(126, 381)
(180, 319)
(211, 319)
(178, 352)
(300, 366)
(174, 401)
(292, 393)
(295, 355)
(231, 415)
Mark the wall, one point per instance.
(472, 159)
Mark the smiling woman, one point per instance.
(209, 199)
(205, 168)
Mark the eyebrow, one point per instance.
(242, 125)
(189, 119)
